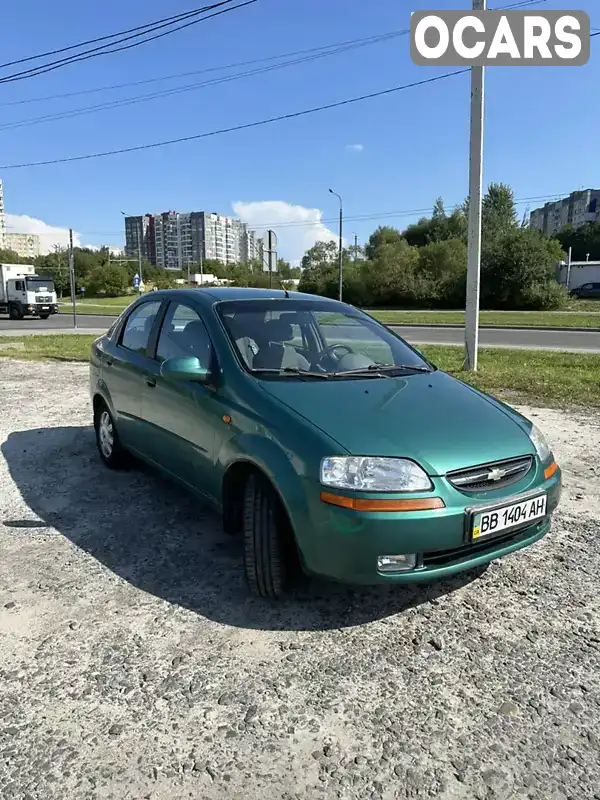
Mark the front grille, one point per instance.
(486, 477)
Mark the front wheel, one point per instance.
(107, 439)
(15, 313)
(267, 540)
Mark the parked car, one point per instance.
(587, 291)
(324, 439)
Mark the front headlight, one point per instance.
(373, 474)
(542, 447)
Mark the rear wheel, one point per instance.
(107, 439)
(267, 540)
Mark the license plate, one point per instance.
(516, 515)
(45, 308)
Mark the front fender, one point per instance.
(286, 472)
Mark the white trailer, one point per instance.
(25, 294)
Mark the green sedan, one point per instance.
(329, 444)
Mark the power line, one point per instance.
(169, 20)
(244, 126)
(368, 40)
(192, 87)
(101, 51)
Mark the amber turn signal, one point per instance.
(363, 504)
(551, 470)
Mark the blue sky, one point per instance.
(541, 123)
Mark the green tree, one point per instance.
(439, 212)
(55, 265)
(440, 227)
(519, 271)
(9, 256)
(110, 281)
(164, 280)
(585, 241)
(498, 209)
(384, 237)
(443, 265)
(391, 279)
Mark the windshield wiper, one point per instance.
(383, 369)
(290, 372)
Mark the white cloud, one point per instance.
(297, 227)
(50, 235)
(354, 148)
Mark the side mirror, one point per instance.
(180, 370)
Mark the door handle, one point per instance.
(151, 381)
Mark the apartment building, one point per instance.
(175, 240)
(25, 245)
(2, 219)
(575, 210)
(140, 230)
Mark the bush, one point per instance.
(110, 281)
(549, 296)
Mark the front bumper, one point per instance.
(344, 544)
(41, 308)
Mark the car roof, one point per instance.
(217, 294)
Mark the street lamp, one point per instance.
(140, 235)
(340, 245)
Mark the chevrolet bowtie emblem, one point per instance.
(496, 474)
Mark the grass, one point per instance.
(501, 318)
(527, 376)
(519, 376)
(98, 305)
(71, 347)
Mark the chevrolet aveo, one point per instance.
(326, 441)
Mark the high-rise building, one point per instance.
(2, 220)
(575, 210)
(175, 240)
(140, 229)
(26, 245)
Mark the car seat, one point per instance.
(273, 352)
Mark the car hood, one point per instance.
(432, 418)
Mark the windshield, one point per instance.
(40, 284)
(286, 339)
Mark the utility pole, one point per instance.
(355, 247)
(340, 246)
(140, 253)
(475, 192)
(569, 269)
(72, 277)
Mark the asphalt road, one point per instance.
(566, 340)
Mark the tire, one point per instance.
(107, 439)
(15, 313)
(266, 534)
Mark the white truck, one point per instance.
(25, 294)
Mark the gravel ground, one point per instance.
(134, 665)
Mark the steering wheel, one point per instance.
(329, 351)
